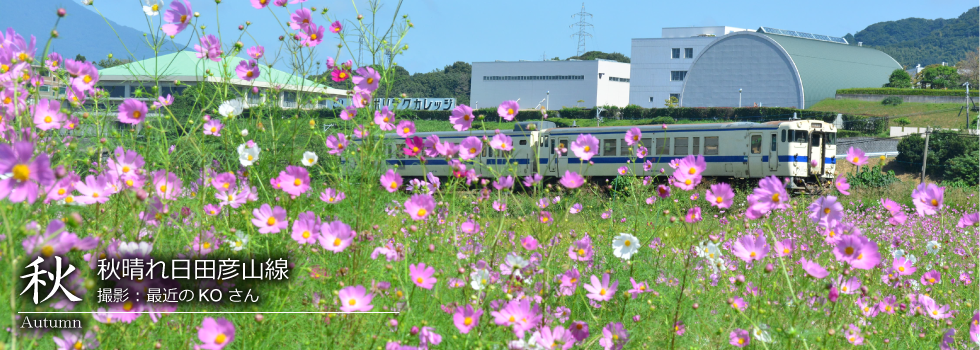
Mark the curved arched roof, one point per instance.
(818, 67)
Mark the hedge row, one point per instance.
(912, 92)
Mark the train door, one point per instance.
(816, 154)
(755, 155)
(773, 153)
(561, 163)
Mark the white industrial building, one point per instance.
(551, 84)
(660, 65)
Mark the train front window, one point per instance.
(830, 139)
(798, 136)
(816, 140)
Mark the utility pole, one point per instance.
(925, 155)
(967, 84)
(582, 25)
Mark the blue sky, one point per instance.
(446, 31)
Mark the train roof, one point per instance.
(699, 126)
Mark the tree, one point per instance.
(592, 55)
(968, 68)
(940, 77)
(899, 79)
(111, 62)
(80, 58)
(671, 102)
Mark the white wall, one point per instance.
(564, 93)
(611, 92)
(651, 64)
(687, 32)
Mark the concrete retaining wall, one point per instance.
(905, 98)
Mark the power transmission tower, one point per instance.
(583, 27)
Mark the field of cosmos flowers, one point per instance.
(676, 261)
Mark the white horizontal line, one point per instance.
(209, 312)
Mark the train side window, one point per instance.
(711, 145)
(755, 144)
(523, 143)
(647, 142)
(772, 143)
(680, 146)
(552, 146)
(663, 146)
(609, 147)
(624, 148)
(696, 145)
(784, 136)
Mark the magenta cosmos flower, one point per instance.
(74, 340)
(466, 318)
(967, 220)
(750, 248)
(614, 337)
(858, 251)
(462, 117)
(720, 195)
(391, 181)
(601, 291)
(413, 146)
(132, 111)
(312, 35)
(338, 75)
(306, 228)
(247, 70)
(348, 113)
(739, 338)
(355, 299)
(335, 236)
(420, 206)
(336, 27)
(337, 143)
(508, 110)
(928, 198)
(825, 211)
(27, 175)
(216, 333)
(179, 15)
(256, 52)
(366, 79)
(270, 220)
(47, 114)
(210, 48)
(421, 275)
(585, 146)
(470, 148)
(405, 128)
(213, 127)
(856, 156)
(300, 19)
(771, 194)
(295, 180)
(688, 172)
(693, 215)
(633, 136)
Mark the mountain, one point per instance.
(81, 31)
(914, 41)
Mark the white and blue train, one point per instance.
(803, 150)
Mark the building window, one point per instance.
(678, 75)
(675, 53)
(676, 96)
(623, 80)
(711, 145)
(533, 77)
(651, 98)
(689, 53)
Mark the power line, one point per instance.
(583, 27)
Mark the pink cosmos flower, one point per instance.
(771, 194)
(849, 286)
(337, 143)
(54, 60)
(507, 110)
(858, 251)
(633, 136)
(355, 299)
(348, 113)
(571, 180)
(462, 117)
(931, 277)
(210, 48)
(585, 146)
(166, 184)
(544, 217)
(556, 338)
(446, 149)
(312, 35)
(750, 248)
(504, 182)
(26, 175)
(405, 128)
(47, 114)
(581, 250)
(270, 220)
(414, 146)
(720, 195)
(215, 333)
(385, 119)
(93, 190)
(300, 19)
(332, 196)
(739, 338)
(470, 148)
(132, 111)
(295, 180)
(928, 198)
(213, 127)
(466, 318)
(785, 247)
(663, 191)
(903, 266)
(256, 52)
(601, 291)
(420, 206)
(502, 142)
(688, 172)
(391, 181)
(179, 15)
(529, 243)
(614, 337)
(247, 70)
(335, 28)
(813, 269)
(825, 211)
(856, 156)
(421, 275)
(575, 208)
(693, 215)
(367, 78)
(338, 75)
(306, 228)
(968, 219)
(641, 152)
(638, 288)
(362, 99)
(335, 236)
(842, 186)
(73, 339)
(163, 101)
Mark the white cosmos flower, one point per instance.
(709, 250)
(133, 249)
(244, 132)
(230, 108)
(762, 334)
(479, 279)
(152, 7)
(248, 155)
(240, 241)
(933, 247)
(625, 245)
(309, 158)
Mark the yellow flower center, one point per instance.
(422, 212)
(467, 321)
(785, 250)
(155, 7)
(692, 171)
(47, 119)
(932, 280)
(511, 319)
(544, 219)
(466, 117)
(214, 129)
(627, 243)
(406, 130)
(249, 74)
(128, 305)
(901, 268)
(687, 182)
(69, 199)
(602, 291)
(352, 302)
(183, 18)
(336, 242)
(856, 159)
(250, 157)
(137, 114)
(220, 338)
(206, 245)
(849, 250)
(510, 111)
(271, 221)
(7, 100)
(419, 280)
(775, 197)
(826, 211)
(61, 191)
(935, 203)
(719, 199)
(47, 250)
(21, 172)
(587, 148)
(393, 185)
(752, 254)
(313, 36)
(163, 188)
(581, 252)
(741, 341)
(473, 150)
(297, 182)
(95, 195)
(78, 345)
(306, 234)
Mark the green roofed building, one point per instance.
(780, 68)
(122, 81)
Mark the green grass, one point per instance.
(942, 115)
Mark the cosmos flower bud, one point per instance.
(259, 318)
(696, 306)
(241, 27)
(393, 323)
(740, 279)
(60, 171)
(415, 329)
(432, 247)
(360, 17)
(62, 12)
(141, 194)
(54, 33)
(75, 219)
(769, 268)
